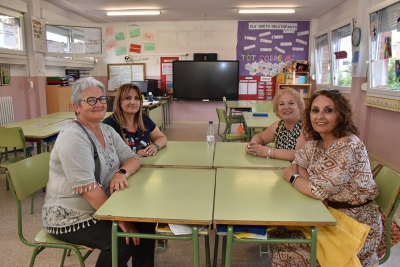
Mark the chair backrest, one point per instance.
(375, 168)
(388, 182)
(12, 137)
(221, 115)
(29, 175)
(225, 104)
(262, 107)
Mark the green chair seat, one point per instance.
(226, 135)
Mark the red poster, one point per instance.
(134, 48)
(166, 74)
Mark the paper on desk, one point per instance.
(183, 229)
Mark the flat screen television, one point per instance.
(142, 86)
(205, 80)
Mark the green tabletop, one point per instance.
(259, 121)
(181, 196)
(263, 197)
(66, 115)
(165, 195)
(238, 104)
(181, 154)
(234, 155)
(39, 128)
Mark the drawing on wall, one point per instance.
(111, 44)
(266, 48)
(135, 48)
(149, 47)
(109, 30)
(374, 26)
(148, 36)
(5, 75)
(134, 30)
(387, 53)
(119, 36)
(120, 51)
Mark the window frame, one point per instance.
(20, 16)
(80, 55)
(328, 31)
(381, 92)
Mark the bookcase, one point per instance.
(295, 80)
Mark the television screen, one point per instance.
(142, 86)
(205, 80)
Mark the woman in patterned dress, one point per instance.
(285, 133)
(333, 166)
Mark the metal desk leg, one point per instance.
(114, 243)
(216, 241)
(229, 239)
(313, 256)
(195, 239)
(207, 247)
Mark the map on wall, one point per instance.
(267, 48)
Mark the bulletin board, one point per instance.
(124, 73)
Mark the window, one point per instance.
(341, 68)
(384, 69)
(322, 59)
(76, 41)
(334, 70)
(11, 32)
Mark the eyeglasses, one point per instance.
(333, 91)
(93, 100)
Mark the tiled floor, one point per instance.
(14, 253)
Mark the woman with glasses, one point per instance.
(285, 134)
(139, 132)
(78, 185)
(333, 166)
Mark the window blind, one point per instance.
(388, 18)
(341, 32)
(321, 41)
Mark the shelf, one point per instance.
(299, 88)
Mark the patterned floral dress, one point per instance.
(287, 139)
(342, 173)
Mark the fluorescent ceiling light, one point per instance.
(266, 10)
(133, 13)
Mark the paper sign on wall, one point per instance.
(135, 48)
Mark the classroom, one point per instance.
(346, 46)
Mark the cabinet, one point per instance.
(58, 98)
(297, 81)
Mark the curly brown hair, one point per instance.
(343, 110)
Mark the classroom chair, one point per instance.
(26, 177)
(388, 182)
(12, 139)
(226, 136)
(233, 115)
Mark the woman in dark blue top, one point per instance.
(135, 127)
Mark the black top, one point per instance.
(137, 139)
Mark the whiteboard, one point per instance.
(124, 73)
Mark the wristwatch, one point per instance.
(157, 146)
(293, 178)
(122, 171)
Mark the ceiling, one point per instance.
(186, 10)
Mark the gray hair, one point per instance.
(83, 84)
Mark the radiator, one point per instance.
(6, 110)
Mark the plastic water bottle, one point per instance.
(210, 134)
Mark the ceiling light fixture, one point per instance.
(266, 10)
(133, 13)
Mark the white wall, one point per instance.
(175, 38)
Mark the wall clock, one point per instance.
(356, 36)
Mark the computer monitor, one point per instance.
(142, 86)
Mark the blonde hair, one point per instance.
(290, 91)
(121, 95)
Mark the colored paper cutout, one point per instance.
(119, 36)
(135, 48)
(109, 30)
(134, 32)
(111, 44)
(148, 36)
(120, 51)
(149, 46)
